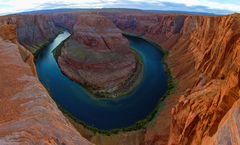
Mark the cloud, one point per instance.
(182, 7)
(216, 6)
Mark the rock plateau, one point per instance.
(204, 59)
(98, 56)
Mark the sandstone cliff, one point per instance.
(33, 31)
(97, 55)
(28, 115)
(214, 45)
(204, 60)
(228, 129)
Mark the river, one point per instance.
(105, 114)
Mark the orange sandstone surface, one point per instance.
(204, 59)
(28, 115)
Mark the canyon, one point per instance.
(203, 57)
(98, 56)
(28, 114)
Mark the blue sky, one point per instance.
(213, 6)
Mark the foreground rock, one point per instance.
(228, 129)
(28, 115)
(99, 57)
(217, 88)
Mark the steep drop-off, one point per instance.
(98, 56)
(216, 56)
(93, 55)
(204, 59)
(33, 31)
(28, 115)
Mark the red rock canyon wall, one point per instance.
(203, 58)
(28, 115)
(207, 49)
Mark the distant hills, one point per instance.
(48, 11)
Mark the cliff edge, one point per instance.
(28, 115)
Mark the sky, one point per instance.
(210, 6)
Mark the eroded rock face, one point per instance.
(8, 32)
(28, 115)
(216, 52)
(97, 55)
(33, 31)
(160, 28)
(64, 20)
(228, 129)
(204, 59)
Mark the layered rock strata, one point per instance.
(216, 54)
(204, 59)
(99, 57)
(28, 115)
(33, 31)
